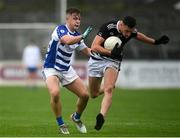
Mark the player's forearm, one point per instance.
(145, 38)
(100, 50)
(69, 40)
(149, 40)
(86, 51)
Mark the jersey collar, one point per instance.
(69, 29)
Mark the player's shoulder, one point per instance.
(64, 29)
(110, 24)
(61, 28)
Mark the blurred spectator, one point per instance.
(31, 62)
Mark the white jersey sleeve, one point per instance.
(81, 46)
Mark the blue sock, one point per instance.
(77, 116)
(59, 121)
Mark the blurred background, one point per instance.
(21, 21)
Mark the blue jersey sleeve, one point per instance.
(61, 31)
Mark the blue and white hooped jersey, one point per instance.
(58, 55)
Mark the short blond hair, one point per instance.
(72, 10)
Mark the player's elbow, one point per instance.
(85, 96)
(94, 48)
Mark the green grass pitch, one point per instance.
(145, 112)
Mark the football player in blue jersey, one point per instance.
(106, 63)
(58, 70)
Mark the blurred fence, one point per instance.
(134, 74)
(14, 37)
(12, 73)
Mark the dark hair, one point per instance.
(72, 10)
(129, 21)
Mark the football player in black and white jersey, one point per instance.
(105, 63)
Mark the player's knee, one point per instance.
(108, 89)
(54, 92)
(55, 95)
(85, 96)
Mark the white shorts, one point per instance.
(96, 68)
(65, 77)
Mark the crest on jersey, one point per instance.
(62, 31)
(111, 33)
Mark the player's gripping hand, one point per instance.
(162, 40)
(116, 52)
(86, 32)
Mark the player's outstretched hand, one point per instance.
(86, 32)
(116, 52)
(162, 40)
